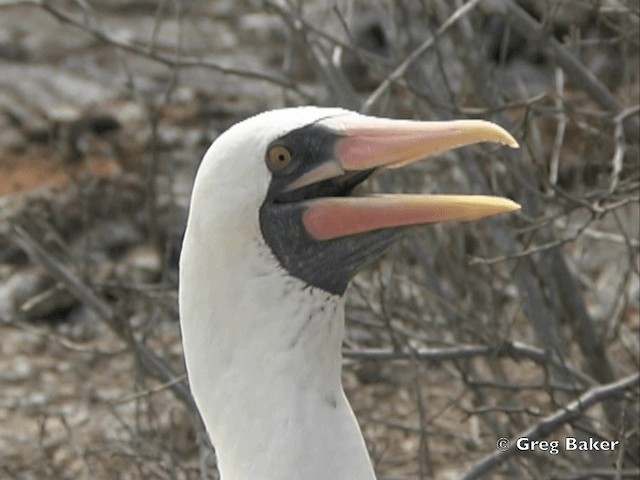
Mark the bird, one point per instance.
(275, 232)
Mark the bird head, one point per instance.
(287, 178)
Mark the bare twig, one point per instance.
(534, 32)
(372, 102)
(169, 60)
(516, 350)
(560, 129)
(77, 287)
(553, 422)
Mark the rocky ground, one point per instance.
(105, 111)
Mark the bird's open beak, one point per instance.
(368, 143)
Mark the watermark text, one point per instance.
(553, 447)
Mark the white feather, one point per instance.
(262, 348)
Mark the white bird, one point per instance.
(273, 237)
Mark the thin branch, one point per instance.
(560, 129)
(515, 350)
(154, 365)
(168, 60)
(537, 34)
(149, 391)
(553, 422)
(394, 76)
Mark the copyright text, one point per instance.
(552, 447)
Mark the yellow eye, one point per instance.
(278, 158)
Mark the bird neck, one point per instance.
(263, 356)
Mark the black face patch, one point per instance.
(328, 264)
(309, 147)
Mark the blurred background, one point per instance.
(525, 325)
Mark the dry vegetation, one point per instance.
(521, 326)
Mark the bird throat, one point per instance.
(271, 393)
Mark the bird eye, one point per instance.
(278, 158)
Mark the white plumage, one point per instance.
(262, 345)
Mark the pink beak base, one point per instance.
(371, 142)
(329, 218)
(380, 142)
